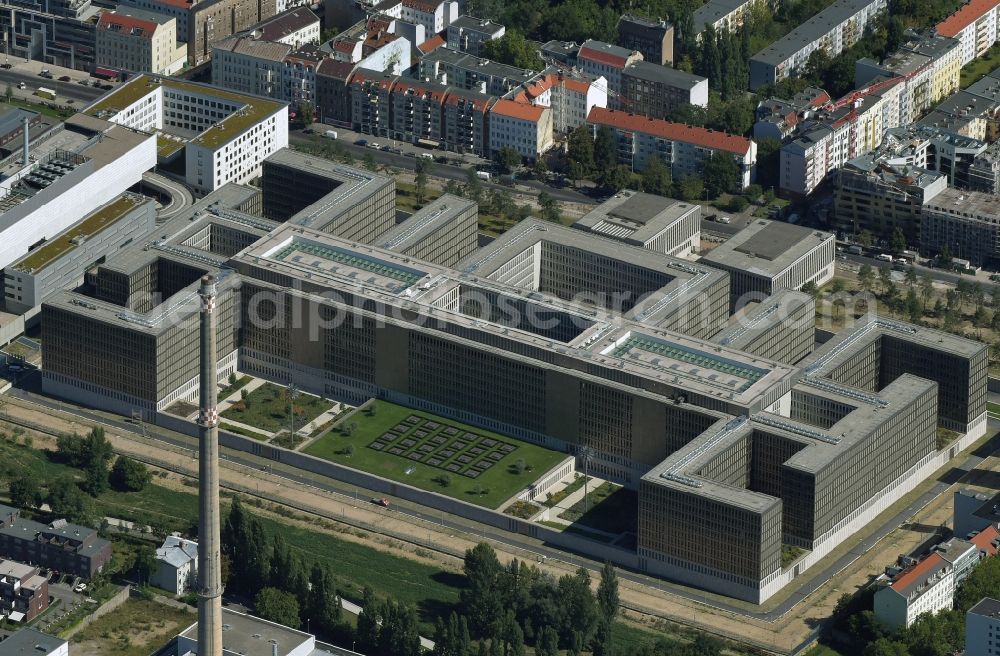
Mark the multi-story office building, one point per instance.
(927, 587)
(61, 546)
(974, 24)
(982, 628)
(768, 256)
(724, 15)
(203, 24)
(61, 261)
(966, 222)
(24, 593)
(834, 29)
(657, 91)
(139, 41)
(684, 149)
(599, 59)
(234, 132)
(468, 34)
(654, 39)
(445, 232)
(89, 165)
(782, 327)
(663, 225)
(60, 32)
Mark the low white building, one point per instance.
(139, 41)
(927, 587)
(433, 15)
(177, 565)
(523, 127)
(233, 133)
(982, 629)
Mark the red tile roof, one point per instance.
(918, 573)
(431, 44)
(984, 538)
(427, 6)
(704, 137)
(602, 57)
(821, 99)
(345, 46)
(579, 86)
(518, 110)
(965, 16)
(126, 24)
(181, 4)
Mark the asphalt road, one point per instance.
(935, 274)
(446, 171)
(814, 578)
(180, 195)
(78, 92)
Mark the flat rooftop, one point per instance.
(425, 221)
(812, 30)
(102, 218)
(635, 216)
(988, 607)
(766, 247)
(29, 642)
(774, 310)
(652, 72)
(252, 636)
(253, 109)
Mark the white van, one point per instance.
(483, 175)
(330, 134)
(883, 257)
(723, 219)
(426, 156)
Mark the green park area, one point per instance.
(268, 407)
(432, 453)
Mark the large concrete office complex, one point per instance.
(59, 32)
(560, 337)
(445, 232)
(834, 29)
(664, 225)
(768, 256)
(224, 136)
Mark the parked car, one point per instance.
(45, 73)
(21, 85)
(361, 142)
(65, 78)
(330, 134)
(80, 587)
(725, 220)
(381, 502)
(6, 65)
(375, 146)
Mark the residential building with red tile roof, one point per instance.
(927, 587)
(683, 148)
(431, 44)
(333, 92)
(571, 97)
(975, 25)
(599, 59)
(522, 126)
(137, 40)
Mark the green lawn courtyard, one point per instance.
(267, 408)
(432, 453)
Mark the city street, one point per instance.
(27, 72)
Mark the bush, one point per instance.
(737, 204)
(128, 475)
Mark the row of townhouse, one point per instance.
(834, 29)
(683, 148)
(895, 92)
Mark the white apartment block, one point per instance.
(929, 586)
(982, 629)
(682, 148)
(177, 565)
(835, 28)
(974, 25)
(570, 98)
(233, 133)
(433, 16)
(724, 15)
(599, 59)
(526, 128)
(139, 41)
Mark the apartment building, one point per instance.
(927, 587)
(974, 24)
(245, 64)
(725, 15)
(433, 15)
(203, 24)
(982, 628)
(59, 545)
(570, 96)
(468, 34)
(458, 69)
(966, 222)
(333, 92)
(298, 75)
(176, 565)
(657, 91)
(138, 41)
(778, 118)
(24, 593)
(682, 148)
(599, 59)
(523, 127)
(834, 29)
(466, 121)
(295, 27)
(653, 38)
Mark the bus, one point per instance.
(48, 94)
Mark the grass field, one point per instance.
(993, 408)
(136, 628)
(429, 448)
(267, 408)
(980, 66)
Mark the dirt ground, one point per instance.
(654, 605)
(136, 628)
